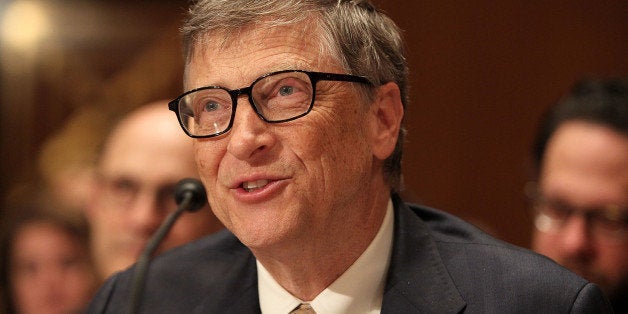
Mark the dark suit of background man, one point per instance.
(305, 172)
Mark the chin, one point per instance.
(261, 237)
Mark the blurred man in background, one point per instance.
(141, 161)
(581, 195)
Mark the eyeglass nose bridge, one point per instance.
(237, 93)
(579, 216)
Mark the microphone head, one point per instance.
(195, 189)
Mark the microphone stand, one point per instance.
(143, 262)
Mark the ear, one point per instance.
(386, 116)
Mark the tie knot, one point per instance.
(303, 308)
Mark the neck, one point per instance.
(306, 267)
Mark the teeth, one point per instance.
(250, 186)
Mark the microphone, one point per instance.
(193, 190)
(190, 196)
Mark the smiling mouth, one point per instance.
(254, 185)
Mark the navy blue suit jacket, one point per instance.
(440, 264)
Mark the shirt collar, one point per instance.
(359, 289)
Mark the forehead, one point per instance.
(234, 59)
(588, 146)
(146, 148)
(42, 234)
(587, 161)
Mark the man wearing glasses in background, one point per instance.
(581, 198)
(297, 110)
(140, 162)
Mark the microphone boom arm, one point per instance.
(190, 195)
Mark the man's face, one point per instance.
(586, 167)
(143, 161)
(310, 178)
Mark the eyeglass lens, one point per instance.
(275, 98)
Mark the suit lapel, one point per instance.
(417, 279)
(238, 289)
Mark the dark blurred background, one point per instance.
(482, 73)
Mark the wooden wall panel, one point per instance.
(481, 74)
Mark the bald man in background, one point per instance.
(141, 161)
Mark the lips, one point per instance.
(258, 187)
(251, 186)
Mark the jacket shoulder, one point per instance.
(490, 274)
(214, 270)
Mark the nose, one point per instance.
(51, 278)
(145, 214)
(576, 238)
(249, 136)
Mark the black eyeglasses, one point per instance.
(608, 222)
(276, 97)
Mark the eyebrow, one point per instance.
(283, 66)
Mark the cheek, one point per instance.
(207, 155)
(25, 294)
(617, 257)
(544, 244)
(333, 149)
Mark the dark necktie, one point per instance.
(303, 308)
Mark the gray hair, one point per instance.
(364, 40)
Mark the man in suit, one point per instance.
(581, 195)
(305, 172)
(140, 162)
